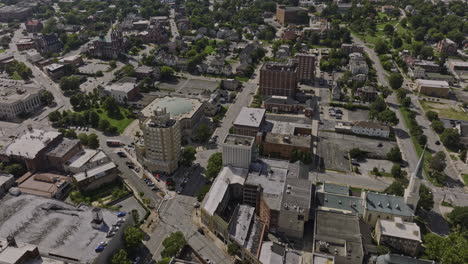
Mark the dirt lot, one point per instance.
(333, 147)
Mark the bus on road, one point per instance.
(113, 143)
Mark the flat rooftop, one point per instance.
(232, 139)
(400, 229)
(85, 156)
(30, 143)
(43, 184)
(63, 147)
(12, 91)
(297, 194)
(55, 227)
(240, 223)
(95, 172)
(296, 141)
(432, 83)
(178, 107)
(120, 87)
(335, 188)
(250, 117)
(228, 175)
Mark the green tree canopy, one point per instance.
(394, 155)
(188, 156)
(459, 217)
(93, 141)
(133, 237)
(450, 138)
(121, 257)
(173, 244)
(215, 163)
(395, 80)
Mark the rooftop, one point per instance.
(279, 66)
(297, 195)
(432, 83)
(12, 91)
(85, 156)
(339, 234)
(43, 184)
(55, 227)
(30, 143)
(228, 175)
(232, 139)
(240, 223)
(124, 87)
(250, 117)
(281, 139)
(339, 203)
(387, 204)
(5, 177)
(63, 147)
(178, 107)
(399, 259)
(54, 67)
(95, 172)
(400, 229)
(373, 125)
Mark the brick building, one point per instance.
(48, 43)
(33, 26)
(287, 14)
(284, 146)
(278, 79)
(447, 46)
(305, 67)
(433, 88)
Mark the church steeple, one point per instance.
(412, 191)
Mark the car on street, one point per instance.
(196, 205)
(437, 142)
(100, 248)
(121, 154)
(121, 214)
(200, 230)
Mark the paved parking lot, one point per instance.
(189, 86)
(369, 164)
(333, 148)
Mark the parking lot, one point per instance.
(333, 148)
(189, 86)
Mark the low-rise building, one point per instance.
(352, 48)
(417, 72)
(145, 71)
(58, 155)
(231, 84)
(25, 44)
(382, 206)
(447, 46)
(55, 70)
(371, 129)
(33, 26)
(286, 146)
(46, 185)
(388, 9)
(367, 93)
(249, 121)
(123, 91)
(95, 177)
(48, 43)
(358, 67)
(433, 88)
(283, 104)
(16, 98)
(404, 237)
(108, 48)
(75, 60)
(398, 259)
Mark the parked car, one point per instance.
(100, 248)
(121, 214)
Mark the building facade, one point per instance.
(278, 79)
(371, 129)
(404, 237)
(162, 135)
(108, 48)
(17, 98)
(447, 46)
(11, 13)
(305, 67)
(238, 151)
(433, 88)
(48, 43)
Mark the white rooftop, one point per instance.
(30, 143)
(433, 83)
(80, 159)
(228, 175)
(94, 172)
(120, 87)
(251, 117)
(241, 224)
(271, 253)
(398, 228)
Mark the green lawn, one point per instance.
(465, 178)
(444, 111)
(209, 49)
(121, 123)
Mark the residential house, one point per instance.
(33, 26)
(447, 46)
(367, 93)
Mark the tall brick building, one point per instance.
(305, 67)
(278, 79)
(287, 14)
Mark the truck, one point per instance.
(113, 143)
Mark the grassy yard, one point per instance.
(113, 191)
(465, 178)
(120, 121)
(209, 49)
(444, 111)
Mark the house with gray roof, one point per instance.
(384, 206)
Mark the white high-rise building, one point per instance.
(412, 191)
(161, 150)
(238, 151)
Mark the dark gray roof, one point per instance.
(397, 259)
(297, 194)
(340, 202)
(387, 204)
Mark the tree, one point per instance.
(70, 133)
(447, 250)
(133, 237)
(459, 217)
(215, 163)
(396, 188)
(426, 198)
(173, 244)
(356, 153)
(396, 171)
(104, 125)
(83, 139)
(450, 138)
(54, 116)
(121, 258)
(188, 156)
(395, 80)
(70, 83)
(439, 177)
(166, 72)
(438, 126)
(47, 98)
(378, 105)
(202, 133)
(394, 155)
(381, 46)
(406, 102)
(93, 141)
(388, 29)
(233, 249)
(94, 119)
(431, 115)
(164, 261)
(111, 106)
(397, 42)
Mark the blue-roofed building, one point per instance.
(384, 206)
